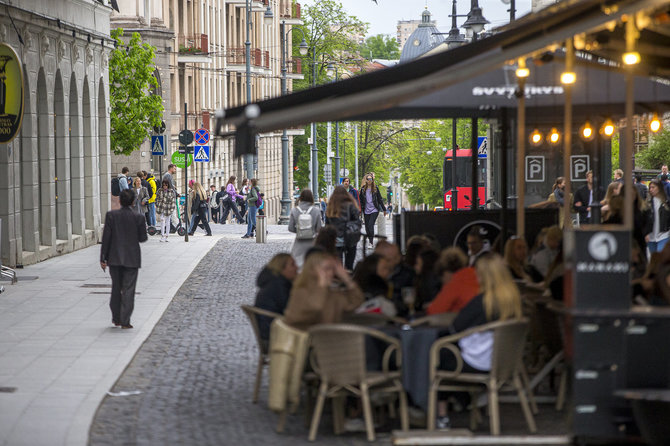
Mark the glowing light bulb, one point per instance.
(655, 123)
(554, 136)
(536, 137)
(522, 72)
(631, 58)
(587, 131)
(568, 77)
(608, 128)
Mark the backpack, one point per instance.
(305, 229)
(116, 188)
(352, 231)
(152, 188)
(259, 201)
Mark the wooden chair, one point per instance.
(339, 360)
(506, 364)
(253, 313)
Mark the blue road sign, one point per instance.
(482, 146)
(158, 145)
(201, 136)
(201, 154)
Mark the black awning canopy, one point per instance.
(445, 84)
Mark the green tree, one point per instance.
(380, 47)
(135, 108)
(658, 152)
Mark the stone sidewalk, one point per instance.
(59, 353)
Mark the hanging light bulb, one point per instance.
(568, 77)
(522, 71)
(631, 58)
(536, 138)
(587, 133)
(607, 130)
(554, 136)
(655, 123)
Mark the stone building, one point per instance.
(54, 188)
(425, 37)
(201, 62)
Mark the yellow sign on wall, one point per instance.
(11, 94)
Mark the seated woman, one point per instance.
(369, 276)
(459, 282)
(274, 283)
(327, 239)
(516, 252)
(499, 300)
(427, 282)
(543, 258)
(316, 299)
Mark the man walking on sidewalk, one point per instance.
(123, 233)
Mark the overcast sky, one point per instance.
(384, 16)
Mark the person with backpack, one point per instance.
(119, 183)
(229, 198)
(305, 222)
(342, 212)
(152, 197)
(254, 200)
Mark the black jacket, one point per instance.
(376, 199)
(582, 195)
(663, 218)
(124, 230)
(272, 296)
(349, 213)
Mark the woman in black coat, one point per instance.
(372, 204)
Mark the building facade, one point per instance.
(201, 61)
(54, 188)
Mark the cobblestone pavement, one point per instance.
(196, 370)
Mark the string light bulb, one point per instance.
(587, 133)
(536, 138)
(655, 123)
(554, 136)
(631, 58)
(568, 77)
(522, 71)
(608, 128)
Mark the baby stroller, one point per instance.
(179, 229)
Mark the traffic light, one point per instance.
(389, 193)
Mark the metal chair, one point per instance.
(263, 358)
(339, 360)
(506, 364)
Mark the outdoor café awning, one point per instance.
(377, 93)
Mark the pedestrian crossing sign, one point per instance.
(158, 145)
(201, 154)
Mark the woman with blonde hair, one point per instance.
(199, 208)
(141, 196)
(322, 293)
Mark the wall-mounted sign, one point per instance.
(534, 169)
(11, 94)
(579, 165)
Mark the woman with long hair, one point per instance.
(165, 205)
(558, 189)
(274, 288)
(658, 228)
(516, 258)
(322, 293)
(372, 204)
(342, 212)
(229, 197)
(304, 236)
(199, 208)
(141, 196)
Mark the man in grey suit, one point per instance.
(124, 230)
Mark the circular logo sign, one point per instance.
(186, 137)
(11, 94)
(178, 159)
(602, 246)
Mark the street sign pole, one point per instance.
(188, 219)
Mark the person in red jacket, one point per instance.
(459, 282)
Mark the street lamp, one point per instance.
(476, 20)
(247, 56)
(285, 196)
(512, 8)
(455, 38)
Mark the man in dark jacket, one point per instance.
(124, 230)
(641, 187)
(585, 197)
(274, 283)
(346, 182)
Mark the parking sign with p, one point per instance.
(534, 169)
(579, 165)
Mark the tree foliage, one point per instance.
(380, 47)
(658, 152)
(135, 109)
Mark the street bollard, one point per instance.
(381, 225)
(261, 235)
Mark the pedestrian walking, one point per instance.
(141, 197)
(658, 227)
(641, 187)
(172, 170)
(305, 222)
(121, 238)
(165, 205)
(152, 198)
(371, 205)
(346, 182)
(199, 209)
(343, 214)
(253, 201)
(213, 202)
(229, 197)
(242, 202)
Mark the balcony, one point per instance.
(290, 13)
(259, 62)
(193, 49)
(294, 66)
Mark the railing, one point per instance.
(193, 44)
(237, 56)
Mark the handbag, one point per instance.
(352, 230)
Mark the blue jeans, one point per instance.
(251, 219)
(152, 214)
(657, 246)
(190, 226)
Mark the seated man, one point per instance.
(477, 244)
(401, 275)
(459, 282)
(274, 282)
